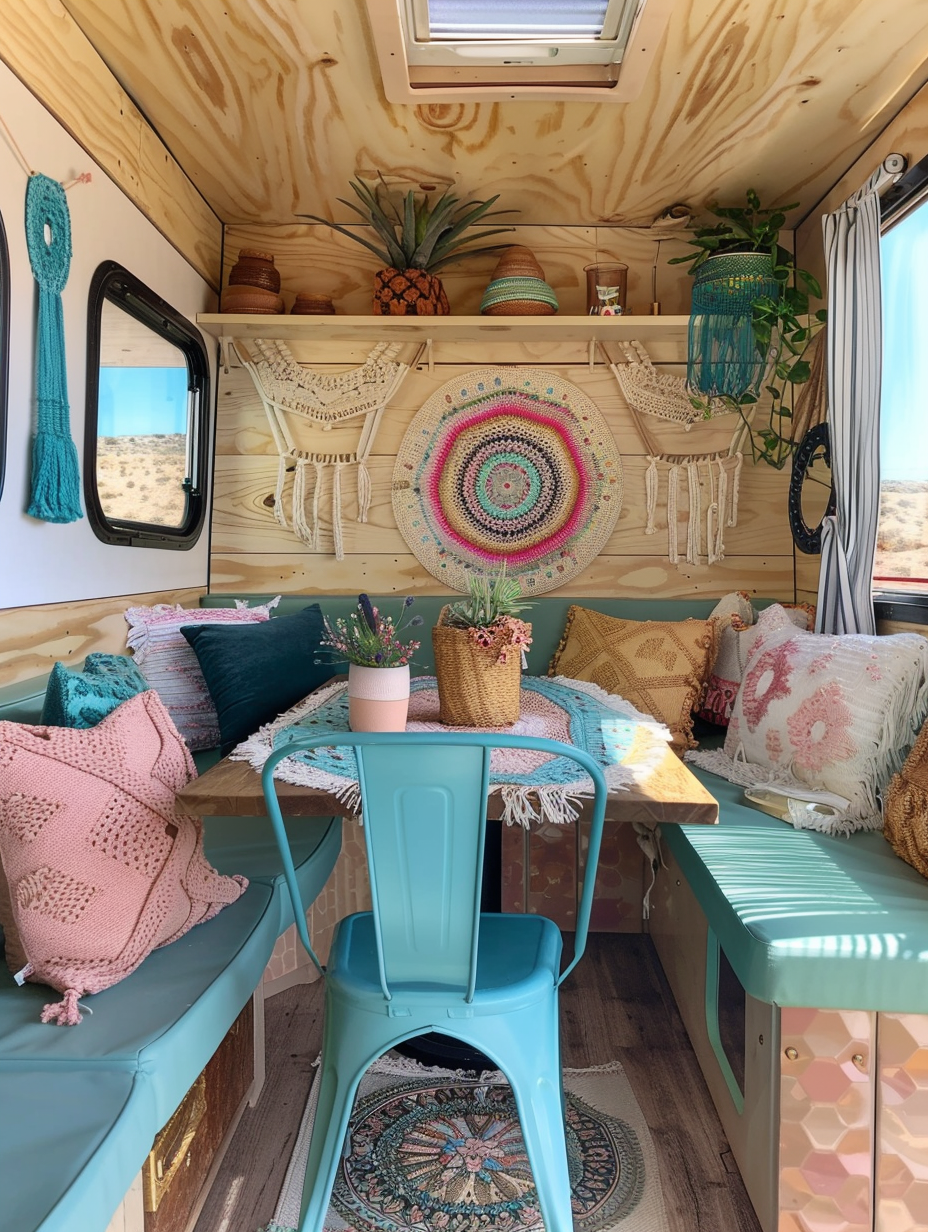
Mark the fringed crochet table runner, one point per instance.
(534, 787)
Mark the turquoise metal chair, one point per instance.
(425, 959)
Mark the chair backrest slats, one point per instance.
(422, 809)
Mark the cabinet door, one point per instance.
(184, 1150)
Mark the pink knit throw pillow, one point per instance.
(100, 869)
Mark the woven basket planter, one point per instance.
(474, 689)
(722, 355)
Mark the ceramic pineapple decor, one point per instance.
(419, 236)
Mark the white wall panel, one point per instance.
(41, 562)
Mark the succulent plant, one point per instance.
(490, 599)
(426, 233)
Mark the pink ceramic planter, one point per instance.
(378, 698)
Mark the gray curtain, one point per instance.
(854, 365)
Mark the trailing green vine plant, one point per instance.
(784, 326)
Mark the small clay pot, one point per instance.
(244, 299)
(312, 305)
(255, 269)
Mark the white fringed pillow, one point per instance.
(831, 713)
(166, 660)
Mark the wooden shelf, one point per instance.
(445, 328)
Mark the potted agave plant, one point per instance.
(378, 664)
(480, 644)
(417, 238)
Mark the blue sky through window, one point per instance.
(142, 401)
(904, 399)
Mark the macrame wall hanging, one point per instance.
(294, 395)
(55, 470)
(665, 396)
(507, 465)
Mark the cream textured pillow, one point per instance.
(166, 660)
(99, 868)
(659, 666)
(831, 713)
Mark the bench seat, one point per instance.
(87, 1102)
(806, 919)
(70, 1144)
(133, 1059)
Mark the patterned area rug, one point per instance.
(433, 1149)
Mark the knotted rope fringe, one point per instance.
(722, 507)
(64, 1013)
(723, 355)
(56, 482)
(287, 388)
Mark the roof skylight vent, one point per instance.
(496, 50)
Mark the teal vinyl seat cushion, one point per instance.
(166, 1019)
(517, 953)
(235, 843)
(76, 1135)
(806, 919)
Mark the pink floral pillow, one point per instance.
(166, 660)
(831, 713)
(98, 867)
(735, 618)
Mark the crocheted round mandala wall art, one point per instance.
(511, 465)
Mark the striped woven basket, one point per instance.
(518, 296)
(474, 689)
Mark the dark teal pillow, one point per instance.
(254, 672)
(82, 699)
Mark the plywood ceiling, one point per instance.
(272, 105)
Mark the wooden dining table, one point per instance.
(667, 793)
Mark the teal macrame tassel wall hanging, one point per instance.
(56, 484)
(723, 357)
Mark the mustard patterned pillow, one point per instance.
(660, 666)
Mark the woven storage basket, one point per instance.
(474, 690)
(905, 811)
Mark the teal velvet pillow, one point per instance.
(254, 672)
(82, 699)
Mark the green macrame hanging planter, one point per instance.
(56, 486)
(723, 357)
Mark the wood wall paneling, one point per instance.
(635, 577)
(807, 573)
(252, 552)
(244, 522)
(272, 105)
(33, 638)
(317, 259)
(906, 133)
(47, 50)
(900, 626)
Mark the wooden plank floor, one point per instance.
(616, 1006)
